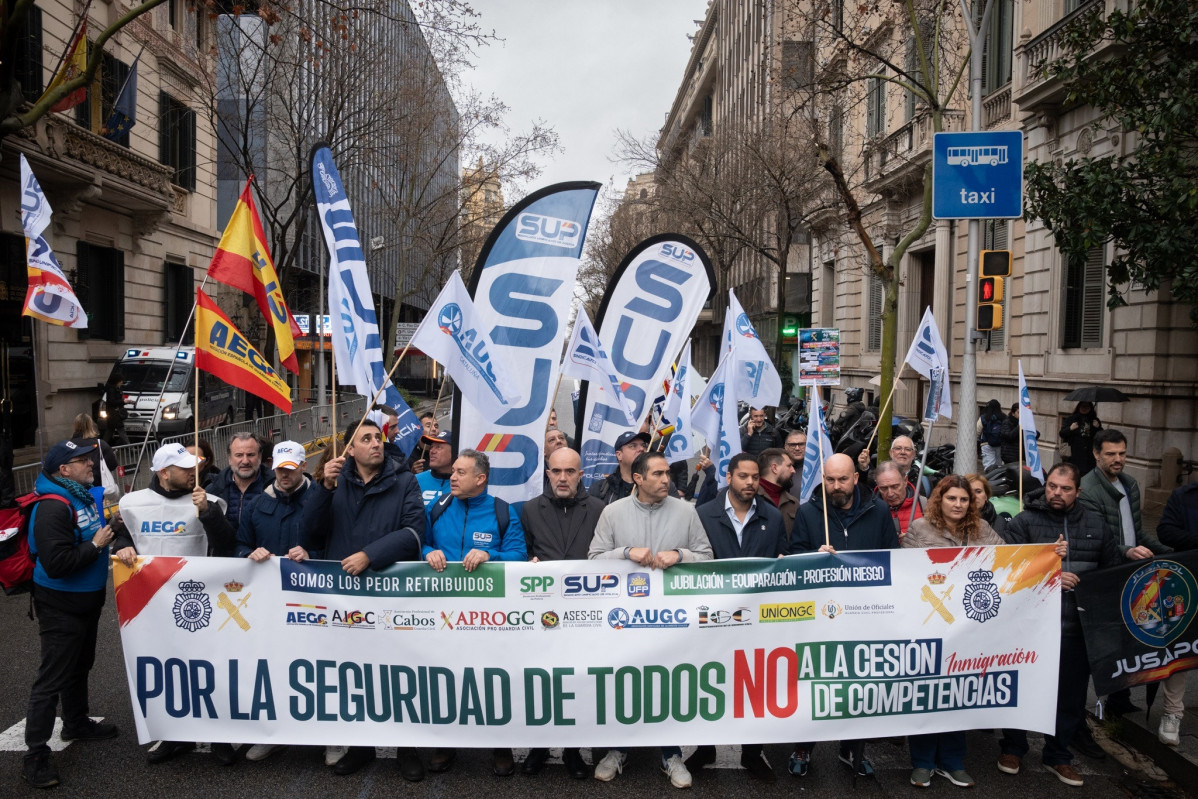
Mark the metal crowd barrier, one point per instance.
(310, 426)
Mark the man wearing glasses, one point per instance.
(796, 446)
(902, 454)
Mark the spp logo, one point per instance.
(677, 252)
(549, 230)
(590, 585)
(536, 585)
(621, 619)
(638, 584)
(307, 615)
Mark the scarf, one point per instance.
(77, 490)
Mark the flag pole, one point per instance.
(923, 461)
(195, 414)
(333, 381)
(823, 488)
(375, 398)
(1022, 455)
(41, 455)
(885, 405)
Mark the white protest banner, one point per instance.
(49, 296)
(648, 311)
(807, 647)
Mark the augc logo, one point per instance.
(744, 327)
(549, 230)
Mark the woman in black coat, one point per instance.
(1078, 432)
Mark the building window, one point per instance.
(1084, 288)
(101, 97)
(100, 286)
(705, 116)
(827, 295)
(178, 294)
(875, 106)
(836, 131)
(177, 140)
(873, 338)
(997, 52)
(27, 65)
(995, 236)
(837, 15)
(798, 65)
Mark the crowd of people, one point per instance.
(370, 506)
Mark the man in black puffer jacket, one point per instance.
(1050, 515)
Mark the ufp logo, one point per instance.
(548, 230)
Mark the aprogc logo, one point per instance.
(549, 230)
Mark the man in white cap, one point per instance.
(176, 517)
(274, 524)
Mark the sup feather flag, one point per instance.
(49, 297)
(222, 351)
(242, 260)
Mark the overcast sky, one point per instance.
(587, 69)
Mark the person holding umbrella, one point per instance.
(1078, 432)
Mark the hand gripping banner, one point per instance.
(592, 653)
(522, 286)
(647, 314)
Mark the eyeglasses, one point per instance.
(902, 449)
(796, 445)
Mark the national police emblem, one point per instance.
(981, 596)
(192, 608)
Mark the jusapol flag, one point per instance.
(452, 335)
(757, 380)
(927, 353)
(813, 457)
(49, 296)
(714, 415)
(1027, 421)
(680, 444)
(242, 260)
(587, 360)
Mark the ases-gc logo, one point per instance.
(1158, 602)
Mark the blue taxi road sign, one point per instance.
(977, 175)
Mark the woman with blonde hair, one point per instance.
(86, 430)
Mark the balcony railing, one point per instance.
(1048, 47)
(896, 156)
(996, 107)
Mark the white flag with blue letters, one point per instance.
(714, 416)
(1027, 421)
(587, 360)
(757, 380)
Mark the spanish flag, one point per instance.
(222, 351)
(74, 64)
(243, 261)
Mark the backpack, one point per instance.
(502, 513)
(992, 430)
(16, 559)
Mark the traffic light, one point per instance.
(993, 266)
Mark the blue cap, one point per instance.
(65, 451)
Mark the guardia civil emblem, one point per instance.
(981, 596)
(192, 608)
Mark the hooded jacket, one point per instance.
(762, 536)
(162, 522)
(275, 521)
(1101, 497)
(468, 524)
(865, 525)
(1081, 440)
(1091, 545)
(385, 518)
(560, 529)
(925, 535)
(67, 560)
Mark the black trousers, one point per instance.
(68, 652)
(1073, 681)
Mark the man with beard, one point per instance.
(618, 484)
(554, 440)
(559, 525)
(758, 435)
(434, 482)
(243, 480)
(741, 525)
(777, 477)
(1052, 515)
(796, 448)
(856, 520)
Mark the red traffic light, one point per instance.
(990, 289)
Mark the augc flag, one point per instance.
(49, 297)
(242, 260)
(222, 351)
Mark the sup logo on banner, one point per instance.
(981, 596)
(193, 609)
(1158, 602)
(590, 585)
(549, 230)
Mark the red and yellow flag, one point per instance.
(73, 65)
(222, 351)
(243, 261)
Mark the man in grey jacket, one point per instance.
(658, 531)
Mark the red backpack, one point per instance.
(16, 561)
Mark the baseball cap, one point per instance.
(288, 455)
(65, 451)
(627, 438)
(173, 455)
(443, 437)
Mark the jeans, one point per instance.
(943, 750)
(1073, 679)
(68, 652)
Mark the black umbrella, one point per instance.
(1096, 394)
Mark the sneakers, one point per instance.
(1008, 764)
(862, 769)
(1169, 731)
(611, 765)
(799, 762)
(1067, 774)
(957, 777)
(39, 771)
(91, 731)
(333, 754)
(262, 751)
(921, 777)
(675, 769)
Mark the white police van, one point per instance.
(145, 370)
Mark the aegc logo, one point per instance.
(548, 230)
(576, 585)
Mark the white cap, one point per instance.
(288, 455)
(173, 455)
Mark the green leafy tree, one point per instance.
(1138, 69)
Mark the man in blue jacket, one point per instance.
(856, 520)
(70, 542)
(739, 524)
(468, 525)
(367, 514)
(434, 481)
(242, 481)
